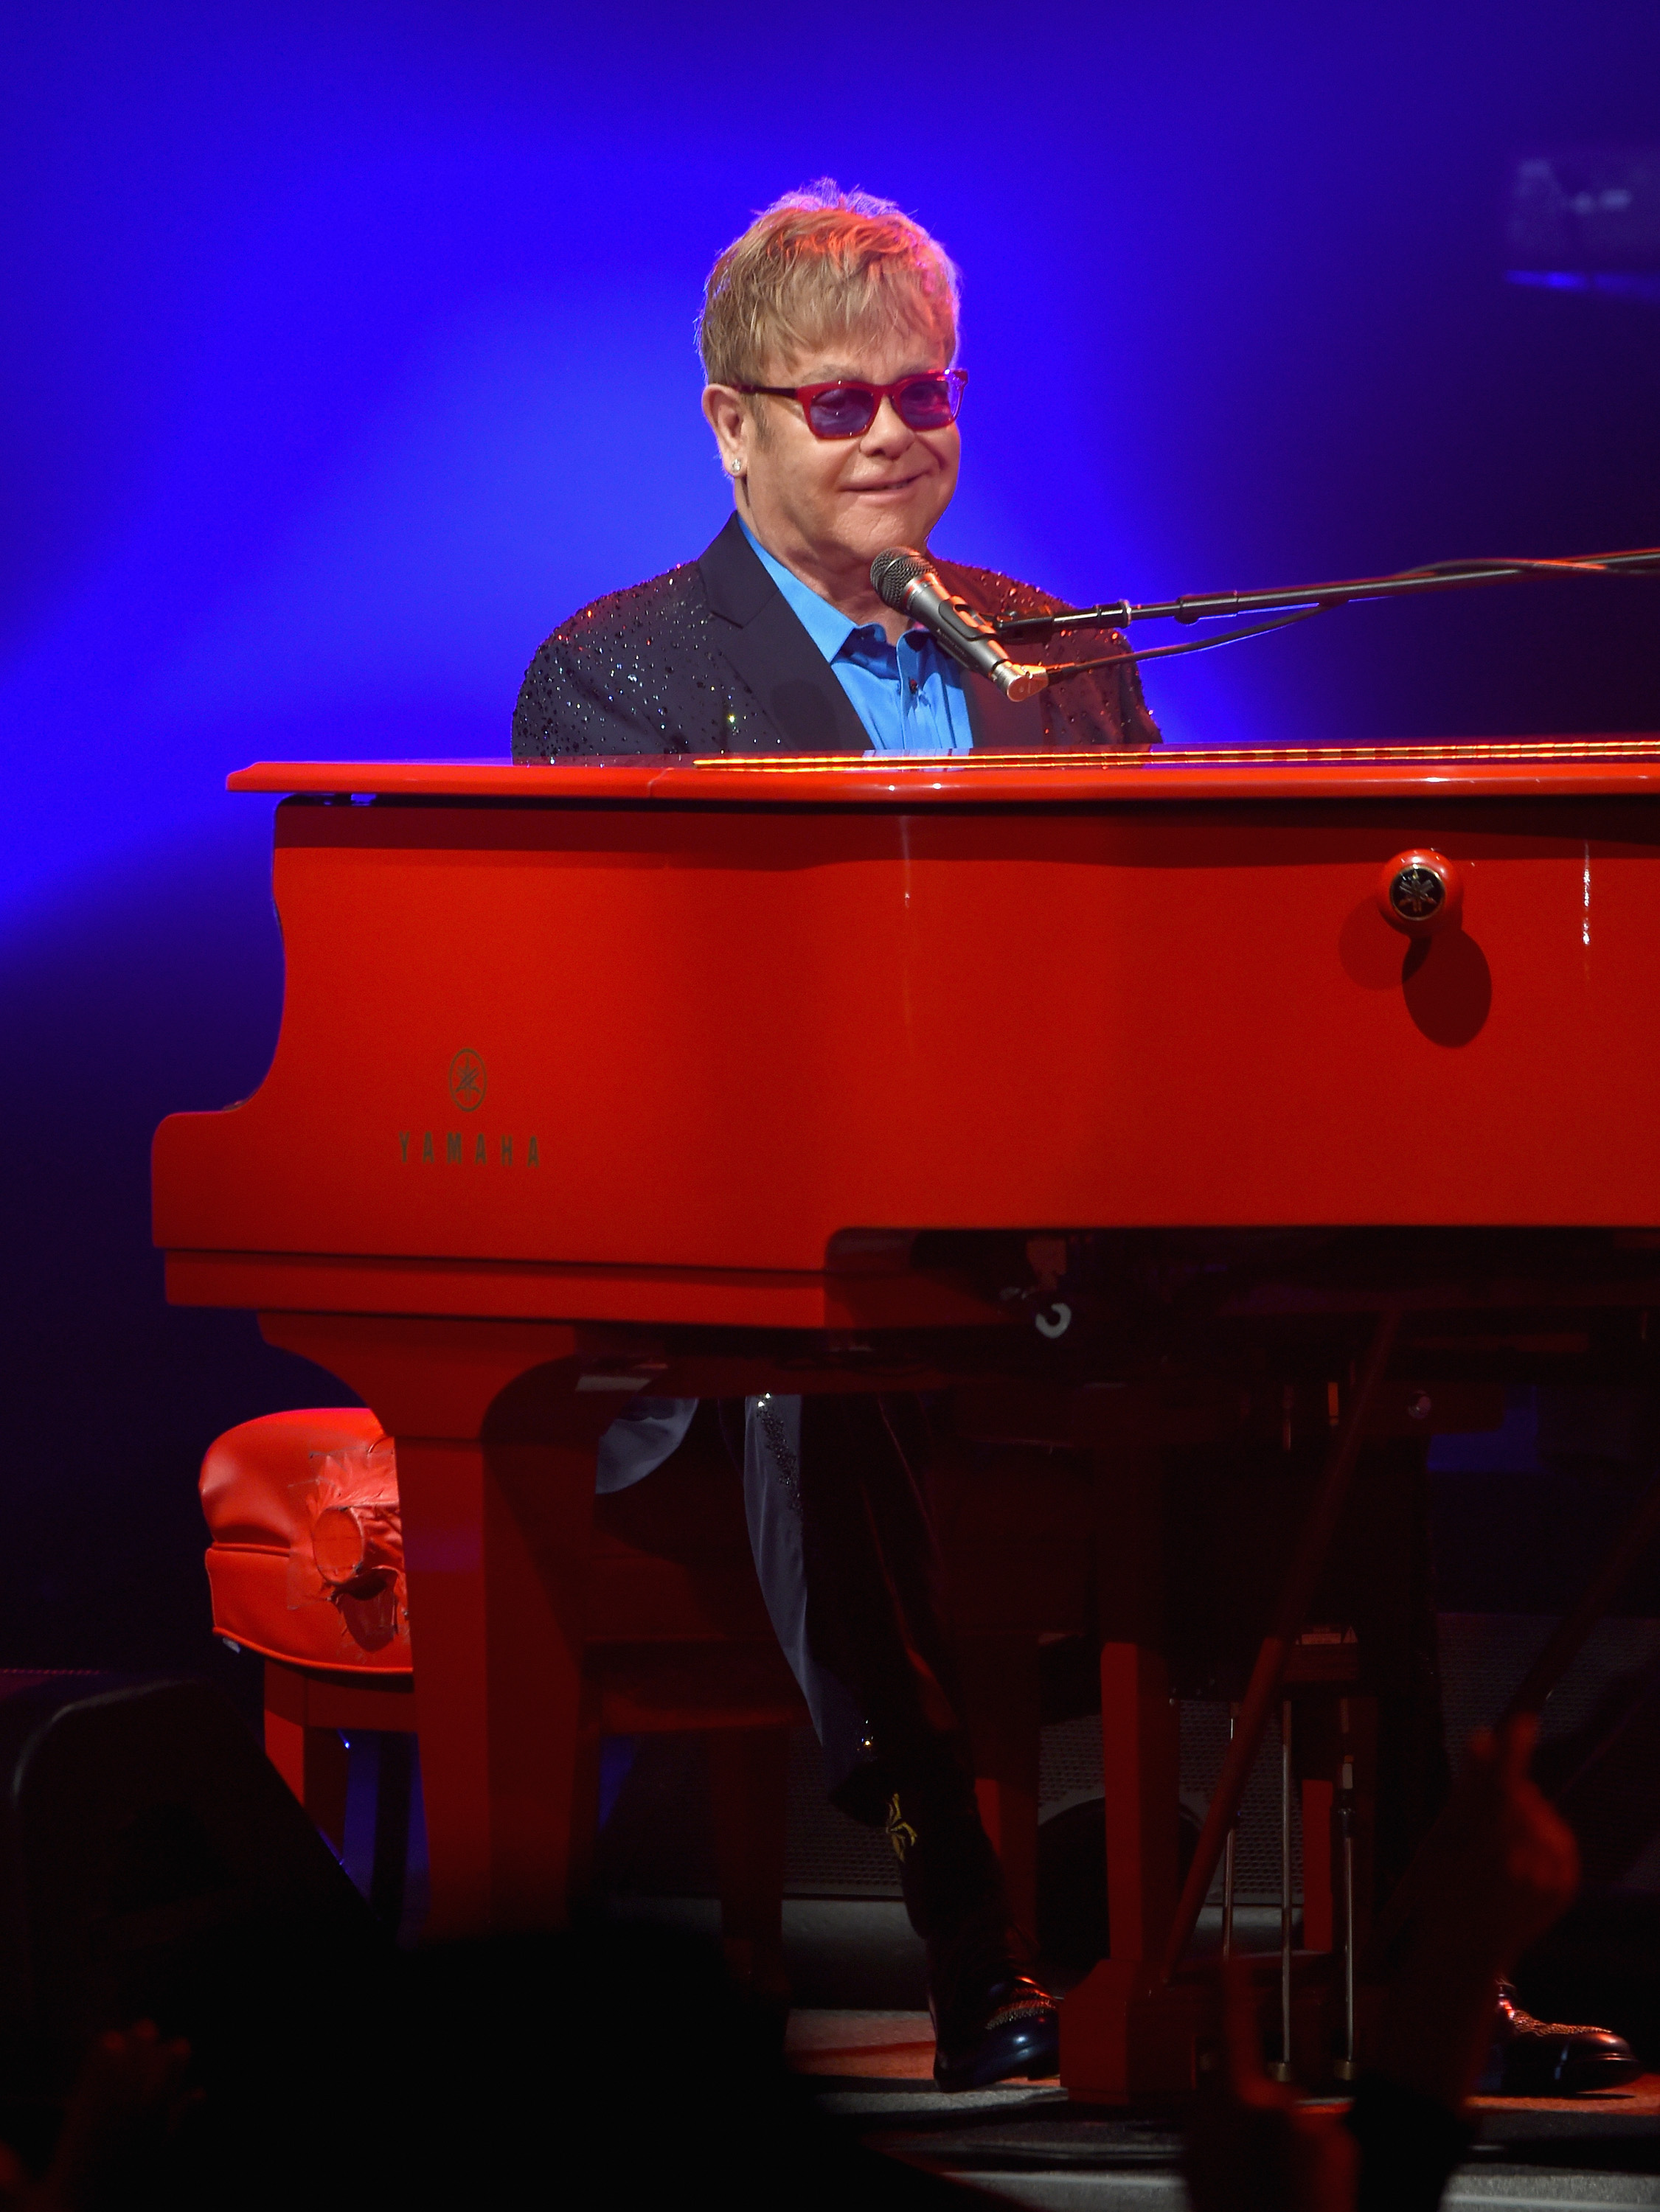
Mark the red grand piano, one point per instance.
(710, 1076)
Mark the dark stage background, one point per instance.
(347, 348)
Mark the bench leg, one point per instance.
(747, 1771)
(313, 1761)
(393, 1796)
(999, 1688)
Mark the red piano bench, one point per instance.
(306, 1568)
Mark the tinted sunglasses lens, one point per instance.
(844, 411)
(927, 403)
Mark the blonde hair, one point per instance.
(818, 266)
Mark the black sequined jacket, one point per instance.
(710, 659)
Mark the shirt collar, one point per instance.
(827, 626)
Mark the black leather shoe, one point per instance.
(1531, 2058)
(1014, 2030)
(990, 2020)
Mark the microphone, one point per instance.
(905, 581)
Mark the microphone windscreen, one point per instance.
(892, 572)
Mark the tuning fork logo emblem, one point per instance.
(469, 1080)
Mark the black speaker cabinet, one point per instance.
(153, 1865)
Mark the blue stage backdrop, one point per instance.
(350, 347)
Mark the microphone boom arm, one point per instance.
(1312, 599)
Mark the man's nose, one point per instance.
(889, 432)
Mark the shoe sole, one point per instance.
(1582, 2082)
(987, 2071)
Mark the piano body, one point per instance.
(707, 1076)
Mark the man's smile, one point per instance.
(887, 487)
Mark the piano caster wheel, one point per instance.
(1420, 891)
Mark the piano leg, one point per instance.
(1140, 1726)
(1112, 2044)
(495, 1539)
(496, 1517)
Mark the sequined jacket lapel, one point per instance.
(755, 630)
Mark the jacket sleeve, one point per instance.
(570, 705)
(1103, 708)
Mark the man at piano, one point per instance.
(829, 338)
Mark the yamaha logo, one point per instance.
(468, 1080)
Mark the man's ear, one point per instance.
(729, 417)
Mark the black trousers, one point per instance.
(834, 1489)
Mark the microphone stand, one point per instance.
(1297, 604)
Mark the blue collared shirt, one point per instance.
(909, 696)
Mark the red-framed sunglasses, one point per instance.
(846, 409)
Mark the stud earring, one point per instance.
(736, 468)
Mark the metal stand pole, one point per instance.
(1230, 1854)
(1345, 2069)
(1281, 2070)
(1255, 1713)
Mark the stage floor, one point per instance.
(1028, 2145)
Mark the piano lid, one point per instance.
(1517, 767)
